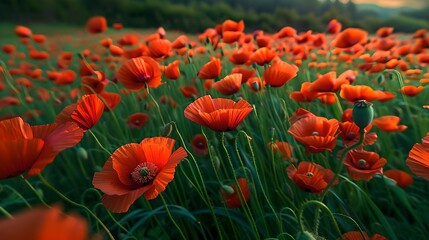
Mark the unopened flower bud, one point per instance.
(228, 189)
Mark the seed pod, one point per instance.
(362, 113)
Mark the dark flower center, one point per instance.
(144, 173)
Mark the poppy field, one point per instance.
(114, 133)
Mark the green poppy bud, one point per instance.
(362, 113)
(82, 153)
(167, 129)
(228, 189)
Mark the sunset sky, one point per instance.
(395, 3)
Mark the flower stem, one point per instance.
(99, 143)
(171, 217)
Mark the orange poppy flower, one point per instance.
(97, 24)
(263, 56)
(180, 42)
(334, 26)
(240, 56)
(356, 235)
(136, 169)
(38, 38)
(110, 100)
(284, 148)
(240, 194)
(38, 55)
(363, 165)
(65, 77)
(90, 84)
(279, 73)
(350, 134)
(228, 85)
(32, 148)
(128, 40)
(23, 32)
(350, 37)
(327, 98)
(231, 36)
(85, 113)
(218, 114)
(8, 48)
(246, 73)
(230, 25)
(418, 159)
(384, 31)
(199, 144)
(286, 32)
(411, 90)
(210, 70)
(118, 26)
(316, 133)
(116, 50)
(310, 177)
(189, 91)
(255, 84)
(402, 178)
(159, 48)
(304, 95)
(358, 92)
(300, 113)
(389, 124)
(140, 72)
(48, 224)
(138, 120)
(172, 71)
(328, 83)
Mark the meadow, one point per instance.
(114, 133)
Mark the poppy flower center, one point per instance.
(309, 174)
(351, 136)
(144, 173)
(362, 164)
(200, 145)
(315, 134)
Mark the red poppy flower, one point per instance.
(229, 85)
(246, 73)
(137, 169)
(356, 235)
(279, 73)
(8, 48)
(284, 148)
(32, 148)
(65, 77)
(230, 25)
(94, 84)
(199, 144)
(189, 91)
(41, 223)
(310, 177)
(334, 26)
(402, 178)
(363, 165)
(159, 48)
(304, 95)
(358, 92)
(240, 56)
(140, 72)
(117, 26)
(262, 56)
(138, 120)
(412, 90)
(218, 114)
(350, 37)
(300, 113)
(210, 70)
(418, 159)
(97, 24)
(110, 100)
(85, 113)
(172, 71)
(328, 83)
(350, 134)
(389, 124)
(231, 36)
(316, 133)
(23, 32)
(240, 194)
(180, 42)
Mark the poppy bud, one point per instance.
(82, 153)
(167, 129)
(362, 113)
(228, 189)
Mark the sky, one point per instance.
(395, 3)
